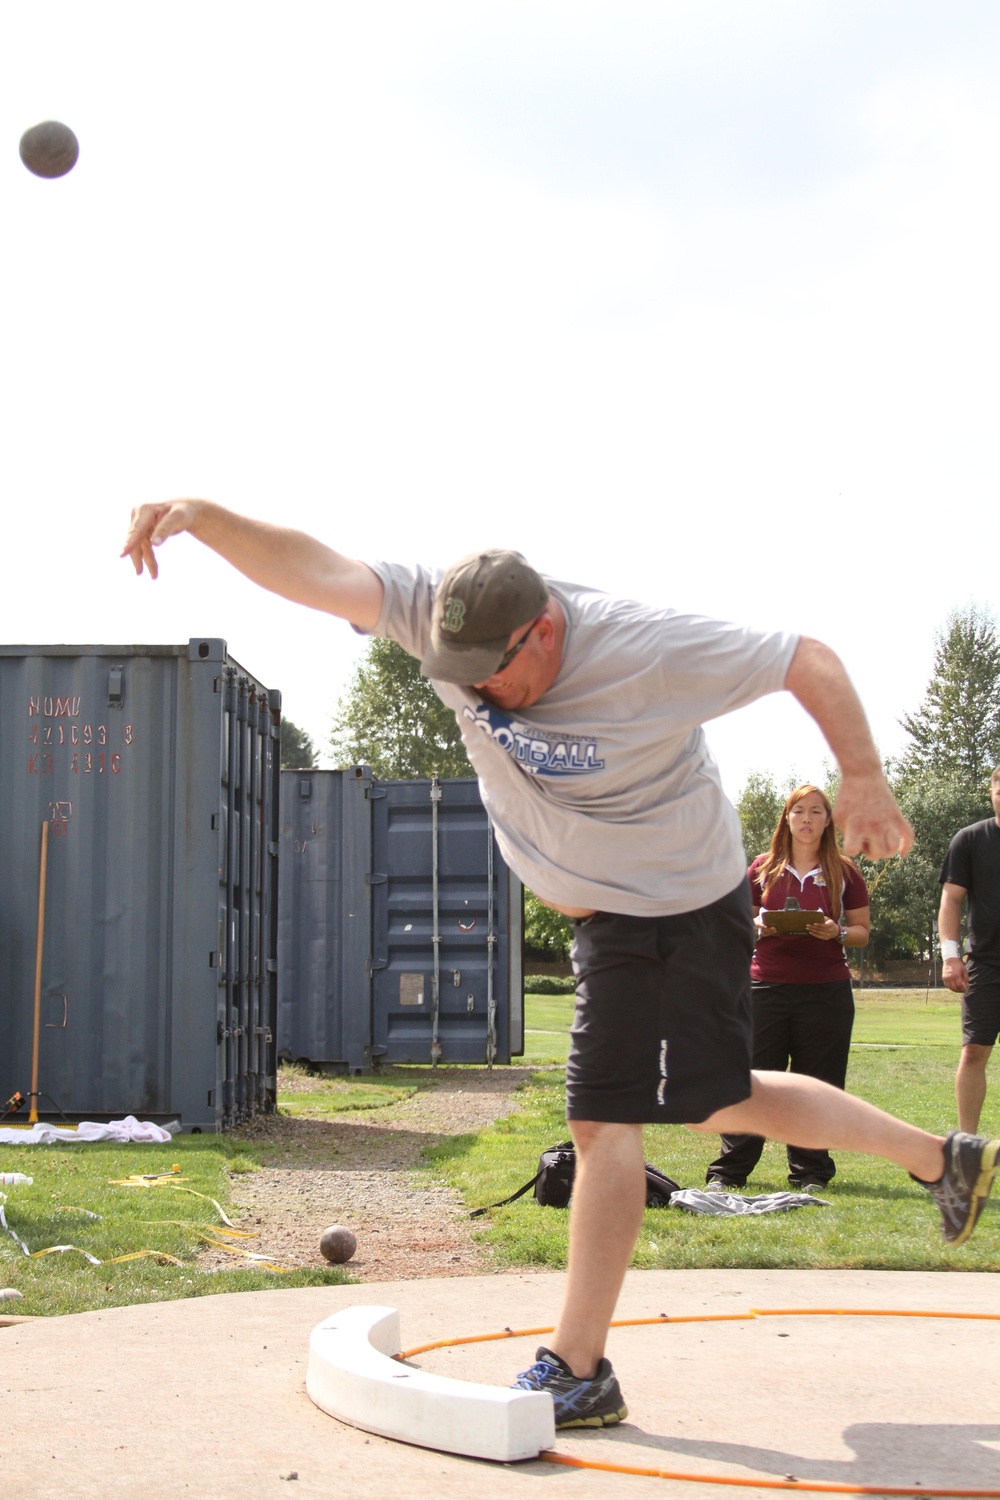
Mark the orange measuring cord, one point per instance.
(517, 1333)
(765, 1484)
(816, 1486)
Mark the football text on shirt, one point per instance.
(536, 753)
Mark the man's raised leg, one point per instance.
(958, 1170)
(794, 1107)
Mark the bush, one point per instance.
(549, 984)
(547, 935)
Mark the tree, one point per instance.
(547, 934)
(956, 730)
(759, 807)
(392, 720)
(905, 893)
(298, 752)
(940, 781)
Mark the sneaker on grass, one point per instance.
(970, 1165)
(579, 1403)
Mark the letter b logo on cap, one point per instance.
(453, 615)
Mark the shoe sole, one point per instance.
(980, 1191)
(608, 1420)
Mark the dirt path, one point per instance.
(362, 1169)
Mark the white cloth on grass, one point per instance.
(697, 1201)
(119, 1131)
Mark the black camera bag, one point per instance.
(553, 1182)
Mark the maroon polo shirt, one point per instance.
(795, 958)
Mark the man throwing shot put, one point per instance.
(972, 869)
(582, 715)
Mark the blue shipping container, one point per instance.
(400, 924)
(155, 770)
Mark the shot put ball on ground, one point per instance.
(49, 149)
(337, 1244)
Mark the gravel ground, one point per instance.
(362, 1170)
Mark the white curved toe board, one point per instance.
(352, 1376)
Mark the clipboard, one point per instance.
(784, 922)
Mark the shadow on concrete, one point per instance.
(890, 1453)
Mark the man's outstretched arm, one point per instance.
(287, 562)
(953, 971)
(865, 810)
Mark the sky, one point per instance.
(695, 301)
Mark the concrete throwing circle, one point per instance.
(764, 1388)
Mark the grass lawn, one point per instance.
(73, 1202)
(906, 1047)
(317, 1097)
(895, 1017)
(913, 1018)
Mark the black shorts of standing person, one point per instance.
(802, 1003)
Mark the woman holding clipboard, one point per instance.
(810, 904)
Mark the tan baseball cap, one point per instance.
(481, 600)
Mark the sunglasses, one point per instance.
(517, 647)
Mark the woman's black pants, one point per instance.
(802, 1028)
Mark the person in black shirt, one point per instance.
(972, 869)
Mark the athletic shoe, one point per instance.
(578, 1403)
(810, 1187)
(970, 1164)
(716, 1185)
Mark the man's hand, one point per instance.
(151, 525)
(868, 818)
(866, 811)
(954, 975)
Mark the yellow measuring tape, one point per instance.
(171, 1180)
(208, 1233)
(160, 1255)
(168, 1180)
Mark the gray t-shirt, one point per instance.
(604, 793)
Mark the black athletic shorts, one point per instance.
(662, 1031)
(981, 1006)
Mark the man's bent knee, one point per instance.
(589, 1133)
(975, 1056)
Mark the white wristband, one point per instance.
(950, 949)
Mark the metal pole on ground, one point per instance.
(39, 945)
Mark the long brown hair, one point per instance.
(833, 864)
